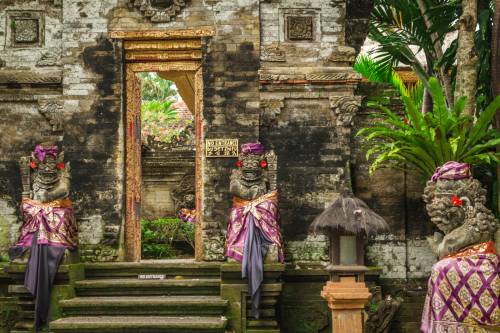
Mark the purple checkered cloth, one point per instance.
(452, 171)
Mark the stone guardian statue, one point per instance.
(49, 226)
(464, 286)
(253, 229)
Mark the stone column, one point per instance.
(347, 300)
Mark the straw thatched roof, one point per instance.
(351, 215)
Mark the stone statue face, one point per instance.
(48, 167)
(251, 169)
(458, 209)
(443, 213)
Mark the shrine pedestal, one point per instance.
(347, 300)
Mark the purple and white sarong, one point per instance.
(253, 227)
(48, 230)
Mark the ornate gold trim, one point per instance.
(133, 186)
(162, 34)
(189, 44)
(165, 66)
(133, 174)
(199, 162)
(162, 55)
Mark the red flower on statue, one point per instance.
(263, 163)
(456, 201)
(33, 165)
(239, 164)
(60, 166)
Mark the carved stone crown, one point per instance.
(159, 10)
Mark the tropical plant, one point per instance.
(155, 88)
(405, 28)
(159, 237)
(426, 141)
(373, 71)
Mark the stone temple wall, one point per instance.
(278, 71)
(396, 195)
(162, 173)
(63, 80)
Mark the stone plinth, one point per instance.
(347, 300)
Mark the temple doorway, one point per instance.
(163, 152)
(168, 140)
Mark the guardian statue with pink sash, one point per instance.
(49, 227)
(253, 232)
(464, 287)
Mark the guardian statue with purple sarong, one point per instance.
(49, 226)
(464, 287)
(253, 232)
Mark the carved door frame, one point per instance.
(133, 172)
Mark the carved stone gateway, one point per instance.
(159, 10)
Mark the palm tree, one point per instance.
(405, 27)
(402, 31)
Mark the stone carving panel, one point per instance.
(25, 29)
(273, 53)
(51, 110)
(159, 10)
(299, 25)
(345, 107)
(300, 28)
(270, 110)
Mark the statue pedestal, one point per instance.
(347, 300)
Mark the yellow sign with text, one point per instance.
(221, 147)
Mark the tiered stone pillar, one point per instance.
(347, 300)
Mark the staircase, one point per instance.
(113, 299)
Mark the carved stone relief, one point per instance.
(272, 53)
(25, 29)
(159, 10)
(270, 110)
(300, 25)
(345, 107)
(49, 59)
(299, 28)
(51, 110)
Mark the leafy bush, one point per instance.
(427, 141)
(160, 122)
(160, 236)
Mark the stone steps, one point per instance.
(143, 324)
(171, 269)
(130, 286)
(113, 299)
(143, 305)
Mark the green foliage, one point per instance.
(160, 122)
(399, 29)
(154, 88)
(428, 141)
(375, 71)
(158, 237)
